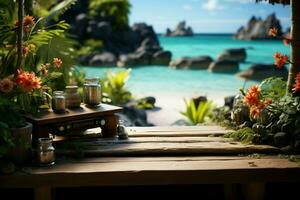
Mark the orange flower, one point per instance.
(28, 20)
(57, 62)
(268, 101)
(252, 96)
(254, 112)
(287, 41)
(273, 32)
(280, 60)
(6, 85)
(25, 51)
(27, 29)
(44, 70)
(254, 90)
(296, 87)
(27, 81)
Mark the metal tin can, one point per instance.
(45, 152)
(73, 99)
(58, 102)
(92, 92)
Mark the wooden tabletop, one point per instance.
(74, 114)
(157, 159)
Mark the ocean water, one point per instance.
(163, 81)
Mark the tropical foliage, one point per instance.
(197, 114)
(116, 11)
(114, 87)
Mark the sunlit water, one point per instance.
(171, 86)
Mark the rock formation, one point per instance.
(238, 55)
(259, 72)
(136, 45)
(200, 62)
(257, 28)
(224, 66)
(180, 30)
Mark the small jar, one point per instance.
(92, 92)
(45, 152)
(58, 102)
(73, 99)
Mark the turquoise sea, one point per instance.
(161, 80)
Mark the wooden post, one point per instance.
(42, 193)
(255, 191)
(20, 33)
(295, 46)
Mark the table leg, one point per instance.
(230, 191)
(42, 193)
(109, 129)
(255, 191)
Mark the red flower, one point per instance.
(296, 87)
(287, 41)
(252, 96)
(57, 62)
(280, 60)
(27, 81)
(273, 32)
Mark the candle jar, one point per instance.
(92, 92)
(45, 152)
(73, 99)
(58, 102)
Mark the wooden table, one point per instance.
(162, 156)
(76, 120)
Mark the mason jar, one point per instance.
(72, 95)
(58, 102)
(45, 152)
(92, 92)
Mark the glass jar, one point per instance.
(92, 92)
(73, 99)
(45, 152)
(58, 102)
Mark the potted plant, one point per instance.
(15, 137)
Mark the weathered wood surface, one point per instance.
(177, 131)
(74, 114)
(149, 146)
(113, 171)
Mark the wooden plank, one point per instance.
(176, 131)
(165, 146)
(175, 170)
(74, 114)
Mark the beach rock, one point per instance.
(228, 101)
(281, 139)
(224, 66)
(198, 100)
(259, 72)
(238, 55)
(137, 117)
(99, 30)
(134, 59)
(180, 30)
(200, 62)
(103, 59)
(161, 58)
(257, 28)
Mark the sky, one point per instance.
(204, 16)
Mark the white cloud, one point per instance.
(212, 5)
(187, 7)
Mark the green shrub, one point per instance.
(197, 115)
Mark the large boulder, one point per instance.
(199, 62)
(259, 72)
(99, 30)
(161, 58)
(258, 28)
(238, 55)
(103, 59)
(134, 59)
(180, 30)
(224, 66)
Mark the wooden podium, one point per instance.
(74, 121)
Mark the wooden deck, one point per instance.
(161, 156)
